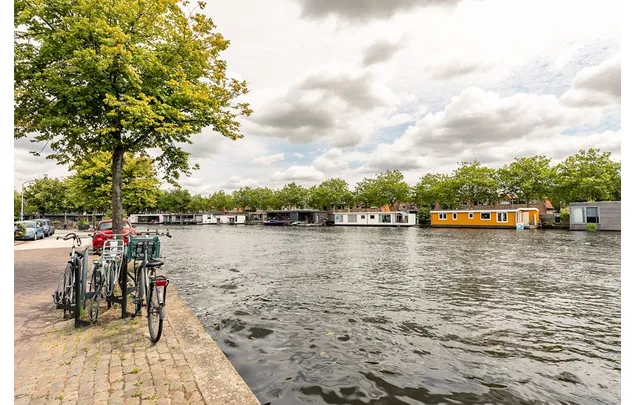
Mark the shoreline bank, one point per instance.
(111, 361)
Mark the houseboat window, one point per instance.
(352, 218)
(385, 218)
(455, 216)
(372, 217)
(363, 216)
(577, 215)
(402, 219)
(443, 216)
(501, 217)
(470, 215)
(338, 218)
(592, 215)
(585, 215)
(485, 216)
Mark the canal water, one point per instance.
(407, 315)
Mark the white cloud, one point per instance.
(599, 85)
(469, 83)
(298, 173)
(341, 103)
(359, 12)
(267, 160)
(380, 51)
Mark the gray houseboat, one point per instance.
(287, 217)
(606, 215)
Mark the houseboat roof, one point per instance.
(371, 212)
(290, 211)
(507, 210)
(593, 202)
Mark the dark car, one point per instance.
(49, 228)
(104, 231)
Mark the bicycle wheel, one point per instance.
(109, 278)
(140, 290)
(96, 284)
(155, 321)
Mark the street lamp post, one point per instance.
(22, 205)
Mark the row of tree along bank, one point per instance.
(586, 176)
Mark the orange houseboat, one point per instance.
(505, 218)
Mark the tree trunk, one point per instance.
(117, 195)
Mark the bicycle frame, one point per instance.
(78, 262)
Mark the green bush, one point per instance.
(57, 224)
(564, 215)
(19, 230)
(590, 227)
(424, 215)
(82, 225)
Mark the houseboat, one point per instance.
(256, 218)
(230, 219)
(603, 215)
(379, 218)
(288, 217)
(519, 218)
(147, 219)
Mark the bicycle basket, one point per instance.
(135, 248)
(113, 249)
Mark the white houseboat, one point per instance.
(229, 218)
(146, 219)
(379, 218)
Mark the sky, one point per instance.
(351, 88)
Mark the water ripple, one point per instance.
(408, 316)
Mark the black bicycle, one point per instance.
(149, 285)
(68, 292)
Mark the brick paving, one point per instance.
(110, 362)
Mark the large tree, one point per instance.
(433, 189)
(121, 76)
(48, 195)
(174, 201)
(331, 193)
(198, 203)
(588, 176)
(385, 189)
(244, 198)
(527, 178)
(91, 184)
(293, 196)
(221, 201)
(476, 183)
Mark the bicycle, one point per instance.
(105, 273)
(148, 284)
(67, 291)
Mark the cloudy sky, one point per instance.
(350, 88)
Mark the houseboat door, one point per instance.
(526, 217)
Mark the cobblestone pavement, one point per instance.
(111, 362)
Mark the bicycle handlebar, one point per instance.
(73, 236)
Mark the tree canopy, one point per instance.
(120, 76)
(528, 178)
(90, 185)
(588, 176)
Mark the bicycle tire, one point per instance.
(95, 288)
(68, 296)
(155, 322)
(140, 285)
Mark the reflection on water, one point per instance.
(408, 316)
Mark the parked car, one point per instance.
(104, 230)
(28, 230)
(51, 227)
(47, 227)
